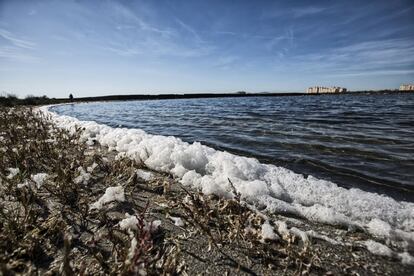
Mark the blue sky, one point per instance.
(135, 47)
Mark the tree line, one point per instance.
(12, 100)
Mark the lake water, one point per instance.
(364, 141)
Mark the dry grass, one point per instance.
(51, 228)
(234, 232)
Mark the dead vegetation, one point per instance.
(51, 227)
(49, 180)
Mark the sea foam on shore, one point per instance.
(268, 187)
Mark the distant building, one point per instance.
(321, 89)
(407, 87)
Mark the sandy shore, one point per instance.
(76, 208)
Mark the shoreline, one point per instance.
(212, 234)
(275, 188)
(227, 95)
(392, 188)
(37, 101)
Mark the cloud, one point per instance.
(362, 58)
(287, 38)
(157, 48)
(190, 30)
(381, 52)
(14, 53)
(17, 49)
(15, 40)
(132, 35)
(130, 15)
(298, 12)
(373, 73)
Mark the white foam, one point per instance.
(277, 189)
(378, 248)
(406, 258)
(282, 229)
(267, 232)
(300, 234)
(379, 228)
(144, 175)
(24, 184)
(39, 179)
(83, 176)
(316, 235)
(91, 168)
(177, 221)
(111, 194)
(12, 172)
(153, 226)
(132, 249)
(129, 222)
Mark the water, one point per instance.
(364, 141)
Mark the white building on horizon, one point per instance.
(322, 89)
(407, 87)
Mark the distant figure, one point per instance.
(71, 97)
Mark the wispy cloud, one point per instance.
(190, 30)
(130, 16)
(362, 58)
(16, 48)
(298, 12)
(157, 48)
(287, 39)
(391, 52)
(135, 36)
(371, 11)
(373, 73)
(19, 42)
(14, 53)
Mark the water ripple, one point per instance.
(356, 141)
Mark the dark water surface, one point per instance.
(364, 141)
